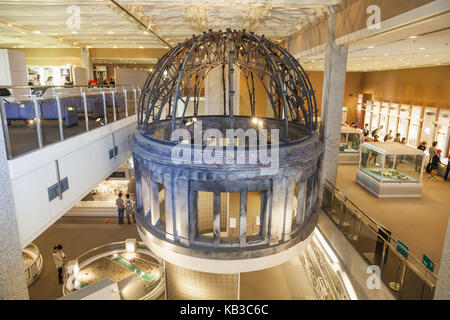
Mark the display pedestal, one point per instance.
(389, 190)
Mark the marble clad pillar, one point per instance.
(332, 101)
(13, 285)
(442, 291)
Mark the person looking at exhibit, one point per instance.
(366, 130)
(49, 81)
(388, 137)
(397, 138)
(435, 162)
(59, 258)
(432, 152)
(120, 207)
(129, 208)
(422, 146)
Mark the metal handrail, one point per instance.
(419, 270)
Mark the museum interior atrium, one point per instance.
(225, 150)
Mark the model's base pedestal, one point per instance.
(186, 284)
(389, 190)
(348, 158)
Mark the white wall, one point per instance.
(130, 77)
(80, 76)
(84, 159)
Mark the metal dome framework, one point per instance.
(180, 74)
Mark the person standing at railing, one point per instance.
(59, 258)
(120, 207)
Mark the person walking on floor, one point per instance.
(435, 162)
(432, 151)
(129, 208)
(366, 130)
(59, 258)
(422, 146)
(120, 207)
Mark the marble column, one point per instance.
(332, 101)
(86, 62)
(442, 291)
(13, 285)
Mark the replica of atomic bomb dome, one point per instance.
(223, 186)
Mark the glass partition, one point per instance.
(38, 116)
(406, 277)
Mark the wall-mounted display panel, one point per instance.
(429, 124)
(384, 115)
(393, 118)
(414, 126)
(443, 131)
(368, 113)
(375, 115)
(403, 122)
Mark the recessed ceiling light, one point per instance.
(111, 32)
(95, 24)
(115, 47)
(386, 54)
(145, 32)
(436, 60)
(141, 47)
(364, 58)
(74, 32)
(427, 55)
(20, 46)
(412, 37)
(407, 63)
(53, 47)
(370, 47)
(422, 48)
(36, 32)
(75, 43)
(400, 59)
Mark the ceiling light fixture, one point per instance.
(37, 32)
(111, 32)
(74, 32)
(422, 48)
(412, 37)
(370, 47)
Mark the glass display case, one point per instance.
(391, 170)
(349, 145)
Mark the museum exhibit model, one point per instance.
(136, 271)
(349, 145)
(258, 214)
(391, 170)
(32, 262)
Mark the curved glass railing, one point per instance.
(33, 263)
(154, 284)
(37, 116)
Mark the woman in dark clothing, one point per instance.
(435, 163)
(422, 146)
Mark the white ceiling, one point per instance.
(31, 23)
(38, 24)
(419, 44)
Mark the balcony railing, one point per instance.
(401, 271)
(36, 116)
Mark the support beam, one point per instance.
(332, 100)
(12, 277)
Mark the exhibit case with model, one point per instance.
(391, 170)
(349, 145)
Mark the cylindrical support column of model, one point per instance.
(186, 284)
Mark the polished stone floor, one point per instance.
(420, 223)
